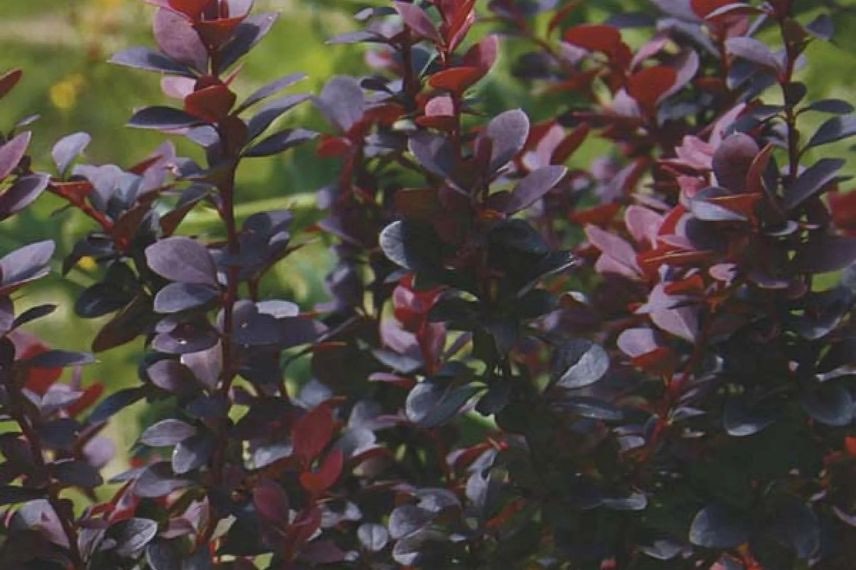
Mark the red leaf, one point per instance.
(842, 205)
(312, 432)
(190, 8)
(694, 284)
(648, 86)
(570, 144)
(850, 445)
(8, 80)
(456, 79)
(210, 104)
(316, 482)
(483, 55)
(89, 397)
(38, 379)
(270, 501)
(704, 7)
(594, 37)
(331, 147)
(597, 215)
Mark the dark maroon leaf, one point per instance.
(280, 142)
(592, 408)
(410, 245)
(12, 152)
(162, 119)
(32, 314)
(797, 526)
(741, 419)
(12, 494)
(60, 359)
(716, 526)
(579, 363)
(534, 187)
(812, 180)
(825, 253)
(177, 297)
(167, 433)
(835, 129)
(23, 192)
(829, 404)
(182, 259)
(248, 33)
(508, 133)
(76, 473)
(832, 106)
(271, 502)
(113, 404)
(150, 60)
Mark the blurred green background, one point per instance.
(63, 47)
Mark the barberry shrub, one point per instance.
(525, 361)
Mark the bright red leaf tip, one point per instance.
(704, 7)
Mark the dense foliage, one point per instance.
(642, 364)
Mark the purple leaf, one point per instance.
(825, 253)
(812, 180)
(717, 527)
(430, 405)
(12, 152)
(280, 142)
(269, 89)
(158, 480)
(754, 51)
(167, 433)
(534, 187)
(162, 119)
(681, 322)
(434, 153)
(192, 453)
(417, 20)
(342, 102)
(176, 38)
(732, 161)
(835, 129)
(133, 535)
(114, 403)
(150, 60)
(263, 119)
(25, 264)
(579, 363)
(373, 537)
(829, 404)
(177, 297)
(711, 212)
(206, 365)
(170, 375)
(23, 192)
(182, 259)
(60, 359)
(508, 133)
(636, 342)
(248, 33)
(68, 148)
(833, 106)
(741, 419)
